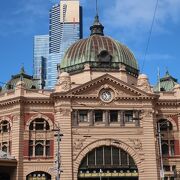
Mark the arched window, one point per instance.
(39, 148)
(165, 125)
(38, 175)
(107, 159)
(39, 124)
(4, 126)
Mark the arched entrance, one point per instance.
(38, 175)
(107, 163)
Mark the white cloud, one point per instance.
(25, 17)
(135, 16)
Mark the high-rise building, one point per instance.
(41, 53)
(65, 29)
(54, 45)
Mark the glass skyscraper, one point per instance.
(54, 45)
(40, 57)
(65, 29)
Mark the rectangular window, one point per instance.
(47, 148)
(83, 116)
(98, 115)
(128, 116)
(113, 116)
(172, 148)
(166, 168)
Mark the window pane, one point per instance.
(123, 158)
(99, 156)
(131, 162)
(98, 116)
(39, 150)
(113, 116)
(47, 150)
(31, 151)
(115, 153)
(83, 116)
(84, 163)
(165, 150)
(91, 158)
(4, 148)
(107, 155)
(129, 116)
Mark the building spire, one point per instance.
(97, 28)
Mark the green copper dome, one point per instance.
(99, 52)
(29, 81)
(166, 83)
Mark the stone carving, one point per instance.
(78, 143)
(143, 83)
(75, 132)
(65, 85)
(64, 82)
(136, 144)
(147, 114)
(65, 112)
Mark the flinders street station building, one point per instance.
(102, 121)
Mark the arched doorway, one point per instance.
(38, 175)
(107, 163)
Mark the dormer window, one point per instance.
(104, 57)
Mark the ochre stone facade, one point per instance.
(20, 107)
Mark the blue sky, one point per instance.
(128, 21)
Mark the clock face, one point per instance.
(106, 95)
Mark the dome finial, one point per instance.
(96, 8)
(97, 28)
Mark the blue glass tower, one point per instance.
(54, 45)
(65, 29)
(41, 53)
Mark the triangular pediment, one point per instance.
(120, 88)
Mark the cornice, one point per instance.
(25, 100)
(168, 102)
(63, 96)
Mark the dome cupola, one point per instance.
(101, 53)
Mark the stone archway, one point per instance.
(107, 142)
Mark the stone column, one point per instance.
(91, 117)
(150, 162)
(106, 116)
(75, 118)
(17, 139)
(136, 117)
(121, 118)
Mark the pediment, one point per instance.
(119, 88)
